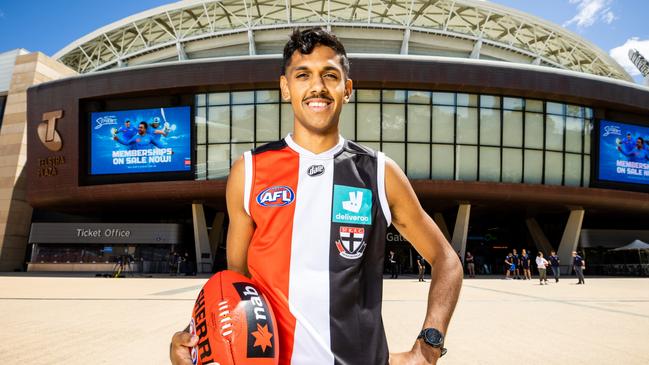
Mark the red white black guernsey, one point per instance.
(318, 247)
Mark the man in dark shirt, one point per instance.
(554, 262)
(509, 266)
(579, 264)
(516, 262)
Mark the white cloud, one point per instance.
(590, 11)
(621, 54)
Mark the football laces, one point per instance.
(225, 320)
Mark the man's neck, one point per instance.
(314, 142)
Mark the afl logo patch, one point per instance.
(315, 170)
(276, 196)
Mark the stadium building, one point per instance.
(515, 132)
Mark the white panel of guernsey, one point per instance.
(247, 164)
(309, 269)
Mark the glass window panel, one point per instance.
(418, 123)
(368, 96)
(376, 146)
(444, 98)
(573, 169)
(368, 123)
(533, 130)
(588, 113)
(533, 167)
(442, 162)
(489, 164)
(243, 123)
(201, 167)
(574, 111)
(346, 124)
(397, 152)
(418, 97)
(490, 127)
(467, 125)
(490, 101)
(218, 161)
(418, 161)
(443, 123)
(286, 124)
(201, 125)
(512, 128)
(267, 96)
(512, 165)
(466, 162)
(218, 124)
(554, 132)
(467, 99)
(532, 105)
(218, 99)
(394, 122)
(243, 97)
(553, 167)
(394, 96)
(554, 108)
(513, 103)
(238, 149)
(574, 134)
(587, 130)
(201, 99)
(267, 122)
(586, 171)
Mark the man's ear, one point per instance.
(283, 86)
(349, 89)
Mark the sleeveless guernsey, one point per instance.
(318, 248)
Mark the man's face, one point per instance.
(638, 143)
(317, 88)
(127, 124)
(141, 129)
(514, 252)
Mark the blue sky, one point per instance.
(47, 26)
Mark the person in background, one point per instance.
(542, 265)
(554, 262)
(470, 264)
(525, 263)
(579, 264)
(517, 264)
(421, 264)
(509, 266)
(394, 274)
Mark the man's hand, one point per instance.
(421, 354)
(180, 349)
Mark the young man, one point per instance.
(555, 263)
(517, 265)
(318, 253)
(578, 264)
(525, 263)
(542, 265)
(509, 266)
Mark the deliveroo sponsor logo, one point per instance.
(352, 205)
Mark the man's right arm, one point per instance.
(240, 232)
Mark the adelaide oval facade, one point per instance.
(512, 129)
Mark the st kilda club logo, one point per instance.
(351, 244)
(261, 330)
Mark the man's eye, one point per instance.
(331, 76)
(301, 76)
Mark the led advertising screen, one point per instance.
(140, 141)
(623, 152)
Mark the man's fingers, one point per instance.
(184, 339)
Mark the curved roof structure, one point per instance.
(196, 29)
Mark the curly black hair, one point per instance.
(305, 41)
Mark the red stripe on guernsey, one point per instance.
(270, 248)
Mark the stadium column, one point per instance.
(461, 229)
(201, 240)
(570, 239)
(540, 240)
(15, 213)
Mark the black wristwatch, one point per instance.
(434, 338)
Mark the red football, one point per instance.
(234, 323)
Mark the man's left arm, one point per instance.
(446, 280)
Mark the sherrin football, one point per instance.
(234, 323)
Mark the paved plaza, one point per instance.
(87, 320)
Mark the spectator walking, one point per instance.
(509, 266)
(579, 265)
(542, 265)
(525, 263)
(517, 264)
(393, 265)
(421, 264)
(470, 264)
(554, 262)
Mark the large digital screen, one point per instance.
(140, 141)
(623, 152)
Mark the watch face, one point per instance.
(433, 337)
